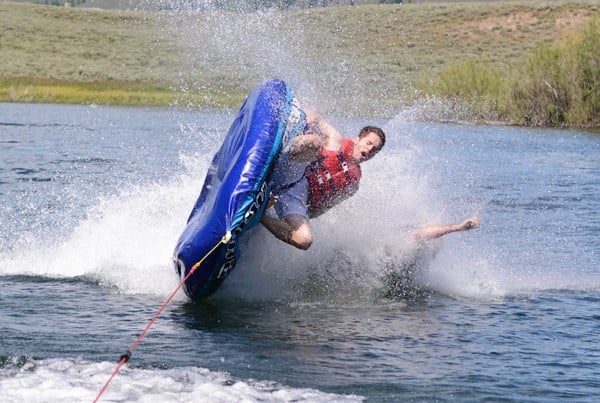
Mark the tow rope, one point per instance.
(127, 355)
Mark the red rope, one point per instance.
(117, 369)
(125, 357)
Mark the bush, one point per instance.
(559, 84)
(481, 85)
(545, 89)
(588, 60)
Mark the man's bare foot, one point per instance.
(469, 224)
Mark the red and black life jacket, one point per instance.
(331, 179)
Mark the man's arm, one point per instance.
(436, 231)
(320, 134)
(293, 229)
(304, 148)
(330, 136)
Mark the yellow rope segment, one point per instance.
(224, 239)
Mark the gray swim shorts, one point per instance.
(291, 188)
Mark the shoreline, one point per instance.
(114, 94)
(148, 95)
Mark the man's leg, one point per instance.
(436, 231)
(293, 229)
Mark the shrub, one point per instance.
(480, 84)
(559, 84)
(545, 89)
(588, 60)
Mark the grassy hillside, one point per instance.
(353, 60)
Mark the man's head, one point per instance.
(369, 141)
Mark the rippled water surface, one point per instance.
(92, 200)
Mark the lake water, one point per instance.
(92, 200)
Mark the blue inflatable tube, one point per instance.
(236, 189)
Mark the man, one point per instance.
(322, 169)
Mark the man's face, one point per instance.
(366, 147)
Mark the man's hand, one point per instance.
(304, 148)
(272, 201)
(330, 136)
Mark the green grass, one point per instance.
(363, 60)
(109, 93)
(555, 84)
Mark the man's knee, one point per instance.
(303, 237)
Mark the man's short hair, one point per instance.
(373, 129)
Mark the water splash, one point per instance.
(226, 50)
(79, 380)
(124, 241)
